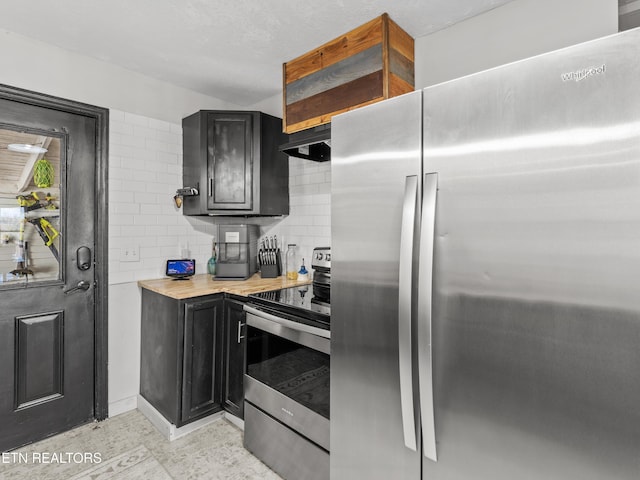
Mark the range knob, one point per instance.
(328, 257)
(319, 256)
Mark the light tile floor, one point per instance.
(129, 447)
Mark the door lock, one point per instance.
(82, 285)
(83, 258)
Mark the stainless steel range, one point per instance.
(287, 377)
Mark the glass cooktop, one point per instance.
(296, 300)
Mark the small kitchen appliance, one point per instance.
(238, 250)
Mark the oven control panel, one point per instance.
(321, 258)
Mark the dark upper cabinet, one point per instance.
(232, 158)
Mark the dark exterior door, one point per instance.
(47, 278)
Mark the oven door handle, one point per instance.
(312, 337)
(301, 327)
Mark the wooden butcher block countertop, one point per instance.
(203, 284)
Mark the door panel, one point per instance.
(230, 161)
(536, 316)
(374, 150)
(234, 362)
(46, 335)
(39, 362)
(201, 386)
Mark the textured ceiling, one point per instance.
(229, 49)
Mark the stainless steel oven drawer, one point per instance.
(294, 415)
(287, 453)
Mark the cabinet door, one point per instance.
(201, 372)
(234, 363)
(229, 161)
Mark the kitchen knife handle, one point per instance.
(405, 274)
(425, 306)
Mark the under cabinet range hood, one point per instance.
(311, 144)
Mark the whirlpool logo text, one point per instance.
(579, 75)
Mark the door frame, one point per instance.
(101, 248)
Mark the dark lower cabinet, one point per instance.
(234, 357)
(202, 359)
(192, 355)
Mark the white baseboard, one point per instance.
(238, 422)
(166, 428)
(123, 405)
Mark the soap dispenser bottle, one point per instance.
(303, 273)
(211, 264)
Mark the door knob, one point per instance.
(82, 285)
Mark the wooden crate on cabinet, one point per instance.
(366, 65)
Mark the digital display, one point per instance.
(181, 268)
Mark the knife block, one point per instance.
(271, 271)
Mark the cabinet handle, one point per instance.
(240, 325)
(210, 192)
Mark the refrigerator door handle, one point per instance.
(405, 270)
(425, 305)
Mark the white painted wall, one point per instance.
(44, 68)
(124, 347)
(517, 30)
(271, 105)
(145, 158)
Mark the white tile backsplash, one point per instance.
(308, 224)
(145, 169)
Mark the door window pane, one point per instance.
(30, 208)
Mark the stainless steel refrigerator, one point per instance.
(486, 275)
